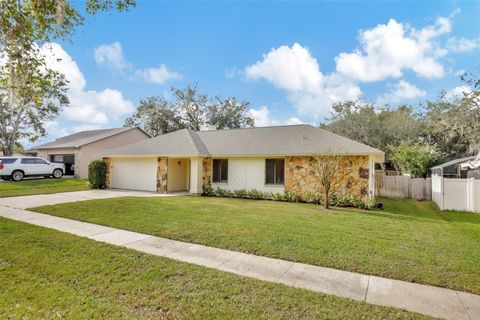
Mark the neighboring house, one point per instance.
(76, 151)
(456, 184)
(14, 155)
(452, 168)
(268, 159)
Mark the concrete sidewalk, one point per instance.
(428, 300)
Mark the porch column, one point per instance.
(162, 170)
(371, 176)
(196, 173)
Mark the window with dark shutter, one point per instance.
(220, 170)
(275, 171)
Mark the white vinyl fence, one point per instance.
(456, 194)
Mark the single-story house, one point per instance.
(453, 168)
(79, 149)
(268, 159)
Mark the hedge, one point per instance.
(97, 174)
(292, 196)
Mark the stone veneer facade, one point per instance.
(162, 174)
(207, 172)
(351, 178)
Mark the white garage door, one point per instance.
(134, 173)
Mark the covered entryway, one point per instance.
(134, 173)
(178, 174)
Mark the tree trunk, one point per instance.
(10, 148)
(325, 200)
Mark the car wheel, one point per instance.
(57, 173)
(17, 175)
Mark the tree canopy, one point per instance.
(446, 128)
(190, 109)
(378, 128)
(31, 93)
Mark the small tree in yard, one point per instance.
(325, 168)
(97, 174)
(414, 159)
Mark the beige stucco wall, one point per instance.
(352, 177)
(90, 152)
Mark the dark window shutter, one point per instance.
(270, 171)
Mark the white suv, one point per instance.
(16, 168)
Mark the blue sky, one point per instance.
(291, 60)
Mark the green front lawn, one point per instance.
(46, 274)
(410, 240)
(41, 186)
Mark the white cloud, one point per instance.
(457, 92)
(401, 91)
(158, 75)
(462, 44)
(94, 108)
(86, 127)
(389, 49)
(294, 120)
(110, 55)
(293, 69)
(53, 128)
(296, 71)
(263, 118)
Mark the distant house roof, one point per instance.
(81, 138)
(453, 162)
(264, 141)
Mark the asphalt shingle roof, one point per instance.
(264, 141)
(453, 162)
(80, 138)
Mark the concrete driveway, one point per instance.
(24, 202)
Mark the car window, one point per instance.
(8, 160)
(40, 161)
(28, 161)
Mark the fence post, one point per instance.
(470, 194)
(407, 181)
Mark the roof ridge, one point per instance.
(192, 133)
(249, 128)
